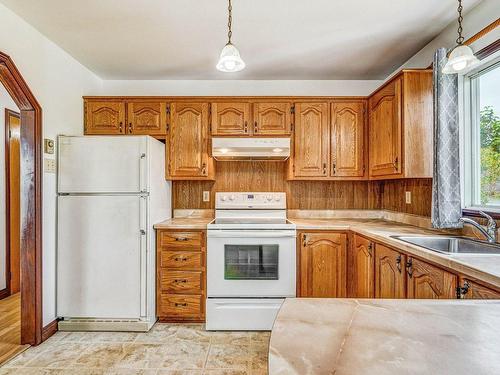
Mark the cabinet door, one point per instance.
(386, 131)
(348, 139)
(188, 140)
(231, 119)
(323, 264)
(389, 273)
(360, 268)
(149, 118)
(272, 119)
(429, 282)
(471, 290)
(311, 141)
(105, 117)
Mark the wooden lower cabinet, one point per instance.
(181, 276)
(469, 289)
(322, 261)
(361, 266)
(426, 281)
(390, 278)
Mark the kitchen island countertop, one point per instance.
(367, 336)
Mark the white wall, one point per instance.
(58, 82)
(239, 87)
(5, 102)
(475, 20)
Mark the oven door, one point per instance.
(251, 263)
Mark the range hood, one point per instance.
(250, 148)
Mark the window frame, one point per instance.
(469, 138)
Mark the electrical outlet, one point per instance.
(206, 196)
(408, 197)
(49, 165)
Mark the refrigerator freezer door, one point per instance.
(102, 164)
(100, 251)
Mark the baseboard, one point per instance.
(49, 329)
(4, 293)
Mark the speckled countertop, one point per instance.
(350, 337)
(481, 267)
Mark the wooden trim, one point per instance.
(31, 200)
(4, 293)
(475, 213)
(8, 114)
(213, 98)
(492, 26)
(488, 50)
(49, 329)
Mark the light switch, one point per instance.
(49, 165)
(408, 197)
(206, 196)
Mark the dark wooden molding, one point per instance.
(4, 293)
(30, 198)
(49, 329)
(475, 213)
(488, 50)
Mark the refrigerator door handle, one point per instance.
(143, 173)
(144, 253)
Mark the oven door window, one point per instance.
(251, 262)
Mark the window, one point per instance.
(482, 139)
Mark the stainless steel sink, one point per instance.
(451, 245)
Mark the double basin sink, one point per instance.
(452, 245)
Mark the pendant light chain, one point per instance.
(460, 39)
(229, 22)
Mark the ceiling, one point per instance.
(278, 39)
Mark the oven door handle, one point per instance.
(251, 234)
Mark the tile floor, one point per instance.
(168, 349)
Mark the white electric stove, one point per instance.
(251, 260)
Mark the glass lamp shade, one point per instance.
(230, 59)
(460, 60)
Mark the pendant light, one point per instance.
(230, 59)
(461, 58)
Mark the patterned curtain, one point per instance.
(446, 202)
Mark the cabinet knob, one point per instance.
(324, 168)
(304, 240)
(246, 127)
(396, 162)
(463, 290)
(130, 128)
(181, 304)
(255, 127)
(334, 168)
(204, 169)
(178, 281)
(181, 239)
(180, 259)
(398, 263)
(121, 127)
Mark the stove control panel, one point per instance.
(233, 200)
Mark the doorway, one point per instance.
(26, 125)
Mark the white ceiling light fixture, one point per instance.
(461, 58)
(230, 60)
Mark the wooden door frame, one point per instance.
(30, 199)
(8, 248)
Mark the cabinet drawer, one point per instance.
(181, 306)
(181, 239)
(181, 259)
(188, 282)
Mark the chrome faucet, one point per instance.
(491, 227)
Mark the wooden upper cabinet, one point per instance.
(231, 119)
(386, 130)
(323, 264)
(390, 276)
(311, 140)
(272, 119)
(104, 117)
(401, 127)
(148, 118)
(361, 268)
(348, 139)
(188, 142)
(472, 290)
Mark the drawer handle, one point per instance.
(178, 281)
(181, 239)
(184, 304)
(180, 259)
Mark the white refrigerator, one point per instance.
(111, 191)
